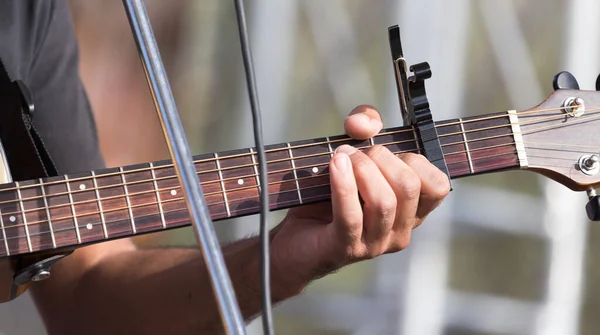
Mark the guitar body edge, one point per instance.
(9, 290)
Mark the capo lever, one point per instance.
(414, 103)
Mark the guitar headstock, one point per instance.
(561, 136)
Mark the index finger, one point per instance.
(363, 122)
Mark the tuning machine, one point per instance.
(566, 81)
(593, 206)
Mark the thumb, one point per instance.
(363, 122)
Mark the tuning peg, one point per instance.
(565, 80)
(593, 206)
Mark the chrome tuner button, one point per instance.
(574, 107)
(589, 164)
(40, 275)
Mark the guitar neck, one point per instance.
(78, 209)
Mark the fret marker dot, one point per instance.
(240, 181)
(12, 218)
(89, 226)
(173, 192)
(82, 187)
(315, 169)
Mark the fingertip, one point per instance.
(341, 161)
(368, 110)
(363, 122)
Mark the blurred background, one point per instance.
(507, 253)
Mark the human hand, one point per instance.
(397, 192)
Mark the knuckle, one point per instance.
(354, 252)
(441, 187)
(410, 158)
(363, 166)
(374, 251)
(377, 151)
(410, 186)
(400, 243)
(385, 205)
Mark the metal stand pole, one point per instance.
(184, 165)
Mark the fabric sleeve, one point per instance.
(63, 115)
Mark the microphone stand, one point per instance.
(184, 165)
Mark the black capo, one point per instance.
(413, 102)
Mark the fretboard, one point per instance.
(84, 208)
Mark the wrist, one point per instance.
(283, 284)
(288, 278)
(296, 260)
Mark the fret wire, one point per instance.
(23, 216)
(222, 184)
(414, 130)
(479, 149)
(329, 146)
(294, 171)
(371, 141)
(160, 207)
(48, 213)
(486, 158)
(478, 139)
(73, 210)
(256, 175)
(4, 234)
(100, 209)
(128, 200)
(464, 135)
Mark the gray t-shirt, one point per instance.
(39, 47)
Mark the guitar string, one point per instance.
(223, 214)
(503, 115)
(217, 215)
(280, 160)
(543, 119)
(565, 145)
(249, 165)
(216, 193)
(530, 131)
(187, 220)
(308, 145)
(586, 120)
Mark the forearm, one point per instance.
(154, 291)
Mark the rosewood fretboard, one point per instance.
(90, 207)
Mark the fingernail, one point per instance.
(342, 162)
(364, 118)
(346, 149)
(377, 123)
